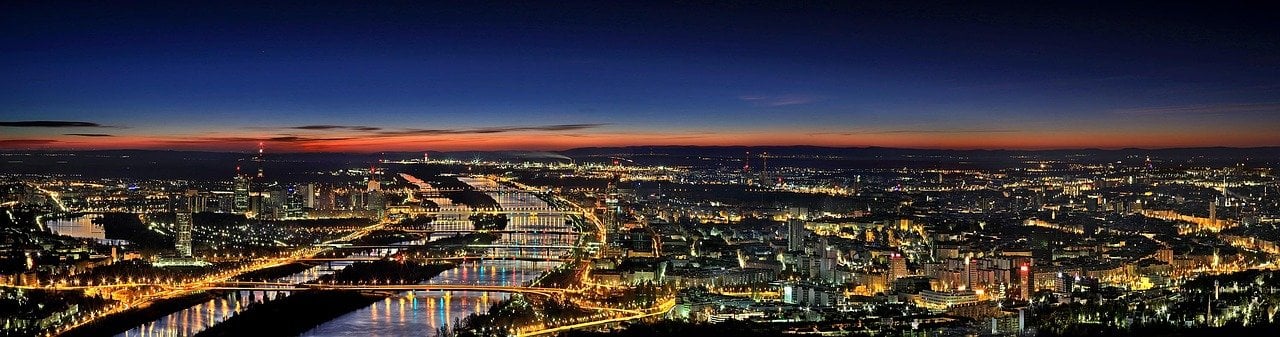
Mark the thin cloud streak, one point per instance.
(26, 142)
(780, 100)
(337, 127)
(1205, 109)
(278, 139)
(50, 124)
(374, 131)
(353, 136)
(89, 134)
(922, 131)
(490, 130)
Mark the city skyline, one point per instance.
(592, 169)
(473, 76)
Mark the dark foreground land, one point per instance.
(292, 315)
(129, 319)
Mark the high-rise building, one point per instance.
(183, 241)
(309, 196)
(324, 198)
(294, 201)
(240, 190)
(356, 202)
(376, 202)
(795, 234)
(182, 220)
(1213, 212)
(1024, 281)
(274, 203)
(613, 211)
(970, 272)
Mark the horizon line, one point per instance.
(674, 146)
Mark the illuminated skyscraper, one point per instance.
(375, 200)
(795, 234)
(182, 220)
(294, 201)
(1024, 282)
(309, 196)
(240, 191)
(183, 241)
(795, 229)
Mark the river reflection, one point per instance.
(423, 313)
(79, 226)
(194, 319)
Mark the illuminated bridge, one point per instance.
(454, 258)
(280, 286)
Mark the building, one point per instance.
(940, 300)
(795, 234)
(812, 295)
(897, 267)
(1025, 286)
(183, 241)
(295, 200)
(1165, 254)
(182, 222)
(309, 196)
(240, 190)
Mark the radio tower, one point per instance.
(259, 158)
(746, 163)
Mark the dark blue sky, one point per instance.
(460, 75)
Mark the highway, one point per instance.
(661, 309)
(428, 259)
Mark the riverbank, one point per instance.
(292, 315)
(274, 273)
(132, 318)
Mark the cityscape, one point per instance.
(639, 169)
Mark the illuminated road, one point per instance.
(661, 309)
(57, 199)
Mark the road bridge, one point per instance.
(281, 286)
(451, 259)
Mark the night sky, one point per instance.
(312, 76)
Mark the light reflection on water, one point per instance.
(194, 319)
(423, 313)
(80, 227)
